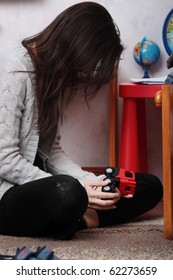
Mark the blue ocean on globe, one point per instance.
(145, 54)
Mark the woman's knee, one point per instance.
(151, 184)
(72, 197)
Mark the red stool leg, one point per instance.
(129, 136)
(142, 135)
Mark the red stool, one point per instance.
(133, 151)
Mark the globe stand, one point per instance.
(145, 72)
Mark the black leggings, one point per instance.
(54, 206)
(148, 193)
(50, 206)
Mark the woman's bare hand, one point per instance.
(101, 200)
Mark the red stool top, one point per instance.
(133, 90)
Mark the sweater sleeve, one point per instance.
(60, 163)
(14, 168)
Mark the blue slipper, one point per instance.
(42, 253)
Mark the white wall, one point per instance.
(85, 132)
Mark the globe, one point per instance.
(146, 53)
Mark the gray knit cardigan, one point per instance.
(19, 137)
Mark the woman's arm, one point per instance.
(13, 166)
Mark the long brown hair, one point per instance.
(78, 50)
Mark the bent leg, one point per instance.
(149, 192)
(48, 206)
